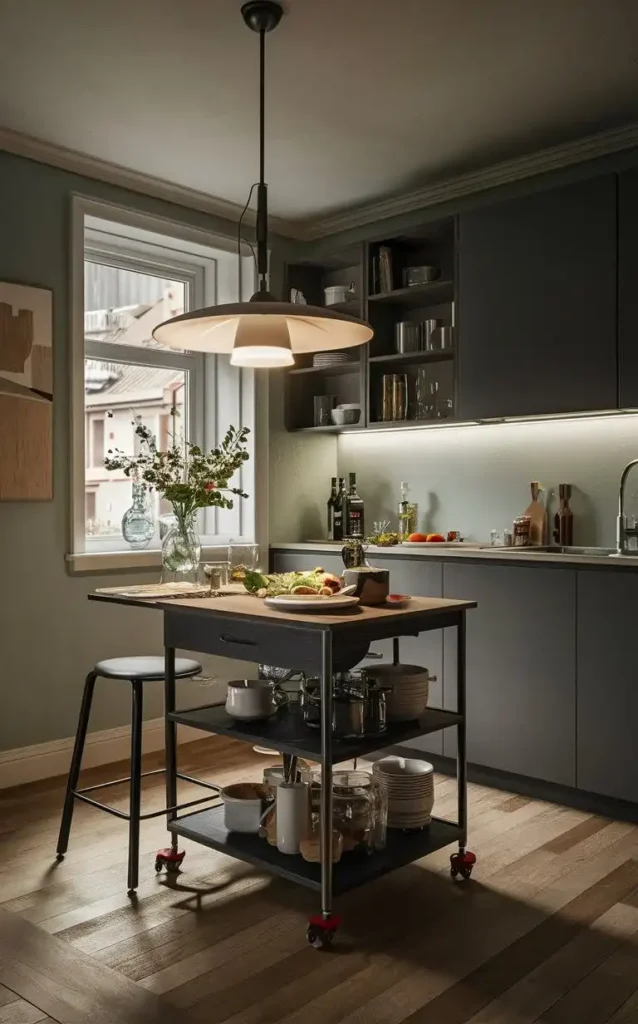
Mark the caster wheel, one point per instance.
(321, 931)
(320, 938)
(462, 864)
(169, 860)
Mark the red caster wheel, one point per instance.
(321, 931)
(462, 864)
(169, 860)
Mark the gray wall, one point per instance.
(476, 479)
(50, 635)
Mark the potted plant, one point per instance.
(189, 478)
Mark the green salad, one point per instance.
(313, 581)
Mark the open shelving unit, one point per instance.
(384, 300)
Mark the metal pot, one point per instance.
(358, 707)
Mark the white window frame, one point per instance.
(218, 394)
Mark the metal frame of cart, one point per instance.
(307, 643)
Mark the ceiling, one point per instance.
(366, 98)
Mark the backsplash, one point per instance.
(476, 478)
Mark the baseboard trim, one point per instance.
(46, 760)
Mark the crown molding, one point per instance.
(541, 162)
(123, 177)
(552, 159)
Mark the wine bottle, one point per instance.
(341, 511)
(355, 510)
(332, 500)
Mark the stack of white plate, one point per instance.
(409, 787)
(331, 358)
(410, 689)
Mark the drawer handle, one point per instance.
(228, 639)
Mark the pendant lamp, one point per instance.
(262, 332)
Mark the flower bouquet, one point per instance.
(189, 478)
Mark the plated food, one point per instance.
(311, 583)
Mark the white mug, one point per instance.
(293, 816)
(252, 699)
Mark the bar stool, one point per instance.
(136, 671)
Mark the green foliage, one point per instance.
(188, 477)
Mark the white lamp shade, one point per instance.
(215, 329)
(262, 341)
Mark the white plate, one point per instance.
(310, 603)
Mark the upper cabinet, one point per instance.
(537, 295)
(628, 289)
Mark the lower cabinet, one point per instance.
(607, 760)
(521, 668)
(289, 561)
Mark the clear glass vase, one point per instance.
(138, 526)
(181, 550)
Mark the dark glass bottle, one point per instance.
(355, 510)
(341, 511)
(332, 500)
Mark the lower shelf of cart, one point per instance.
(354, 869)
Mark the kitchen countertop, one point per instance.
(500, 555)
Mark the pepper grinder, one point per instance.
(564, 518)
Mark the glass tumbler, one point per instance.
(323, 406)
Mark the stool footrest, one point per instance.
(80, 794)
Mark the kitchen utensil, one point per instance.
(311, 603)
(253, 699)
(408, 784)
(407, 336)
(338, 293)
(407, 689)
(419, 275)
(446, 337)
(359, 808)
(244, 806)
(373, 585)
(333, 357)
(293, 816)
(358, 709)
(429, 333)
(345, 416)
(323, 406)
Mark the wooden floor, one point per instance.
(546, 931)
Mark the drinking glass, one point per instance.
(323, 406)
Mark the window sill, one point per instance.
(98, 562)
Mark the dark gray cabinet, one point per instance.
(537, 303)
(607, 758)
(628, 289)
(289, 561)
(521, 668)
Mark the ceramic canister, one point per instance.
(293, 816)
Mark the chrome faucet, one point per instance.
(625, 533)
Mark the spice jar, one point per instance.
(522, 531)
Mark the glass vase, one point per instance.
(181, 549)
(138, 526)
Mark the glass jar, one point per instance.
(181, 550)
(359, 808)
(138, 526)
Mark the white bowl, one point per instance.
(342, 417)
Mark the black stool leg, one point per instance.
(136, 787)
(76, 764)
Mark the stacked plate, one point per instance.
(409, 788)
(330, 358)
(409, 685)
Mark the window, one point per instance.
(130, 277)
